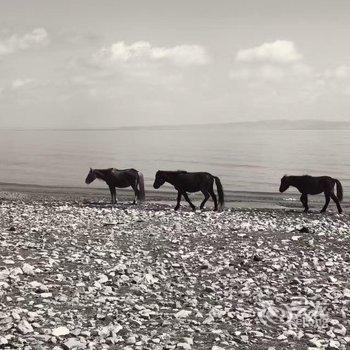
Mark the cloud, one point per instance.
(142, 52)
(265, 72)
(14, 43)
(20, 83)
(269, 72)
(279, 51)
(340, 72)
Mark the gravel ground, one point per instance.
(75, 275)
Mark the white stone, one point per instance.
(60, 331)
(183, 314)
(28, 269)
(25, 327)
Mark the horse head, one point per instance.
(90, 177)
(284, 183)
(159, 179)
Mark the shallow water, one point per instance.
(245, 160)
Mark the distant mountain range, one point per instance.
(276, 124)
(305, 124)
(273, 124)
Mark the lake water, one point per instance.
(245, 160)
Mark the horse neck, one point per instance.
(294, 180)
(170, 177)
(101, 174)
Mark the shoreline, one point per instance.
(233, 199)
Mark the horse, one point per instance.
(121, 179)
(314, 185)
(184, 182)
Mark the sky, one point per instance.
(98, 64)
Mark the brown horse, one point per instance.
(314, 185)
(184, 182)
(121, 179)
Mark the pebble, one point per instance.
(60, 331)
(195, 277)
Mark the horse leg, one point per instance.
(328, 198)
(188, 201)
(134, 187)
(336, 201)
(113, 194)
(303, 199)
(213, 195)
(206, 197)
(178, 200)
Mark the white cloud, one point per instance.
(268, 72)
(14, 43)
(265, 72)
(142, 52)
(279, 51)
(19, 83)
(340, 72)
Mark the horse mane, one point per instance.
(100, 173)
(174, 172)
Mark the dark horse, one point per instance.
(314, 185)
(121, 179)
(184, 181)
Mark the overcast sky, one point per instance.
(83, 63)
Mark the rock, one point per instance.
(3, 341)
(46, 295)
(60, 331)
(102, 279)
(25, 327)
(340, 329)
(183, 314)
(316, 342)
(205, 281)
(295, 280)
(74, 343)
(28, 269)
(131, 340)
(188, 340)
(346, 293)
(334, 344)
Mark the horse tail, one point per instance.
(339, 190)
(220, 192)
(141, 194)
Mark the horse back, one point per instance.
(316, 184)
(194, 181)
(122, 177)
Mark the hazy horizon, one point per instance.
(284, 124)
(88, 64)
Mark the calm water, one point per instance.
(252, 160)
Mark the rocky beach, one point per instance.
(76, 273)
